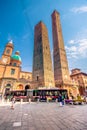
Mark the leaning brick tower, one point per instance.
(42, 65)
(61, 71)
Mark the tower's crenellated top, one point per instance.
(55, 12)
(40, 23)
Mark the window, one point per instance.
(37, 78)
(12, 71)
(8, 85)
(14, 64)
(22, 76)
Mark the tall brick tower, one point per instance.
(42, 64)
(61, 71)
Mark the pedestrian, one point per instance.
(12, 102)
(63, 98)
(60, 99)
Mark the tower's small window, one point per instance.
(12, 71)
(37, 78)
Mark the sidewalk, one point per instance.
(43, 116)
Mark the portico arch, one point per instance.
(19, 87)
(7, 89)
(26, 88)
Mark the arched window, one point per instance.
(20, 87)
(8, 85)
(14, 64)
(37, 78)
(27, 87)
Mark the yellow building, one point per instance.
(11, 75)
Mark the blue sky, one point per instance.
(19, 17)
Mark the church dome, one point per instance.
(16, 56)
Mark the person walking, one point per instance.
(12, 102)
(63, 99)
(60, 100)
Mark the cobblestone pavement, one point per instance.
(43, 116)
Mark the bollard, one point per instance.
(21, 100)
(7, 100)
(29, 100)
(38, 100)
(56, 100)
(47, 100)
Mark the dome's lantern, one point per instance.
(16, 56)
(17, 53)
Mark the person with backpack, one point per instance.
(60, 100)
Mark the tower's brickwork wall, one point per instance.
(42, 64)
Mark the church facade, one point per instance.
(12, 78)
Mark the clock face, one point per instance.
(4, 60)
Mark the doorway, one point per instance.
(26, 89)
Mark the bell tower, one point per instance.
(6, 56)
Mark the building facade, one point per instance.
(11, 75)
(81, 79)
(42, 64)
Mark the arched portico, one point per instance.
(7, 89)
(27, 87)
(19, 87)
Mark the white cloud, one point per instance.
(80, 9)
(78, 49)
(71, 41)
